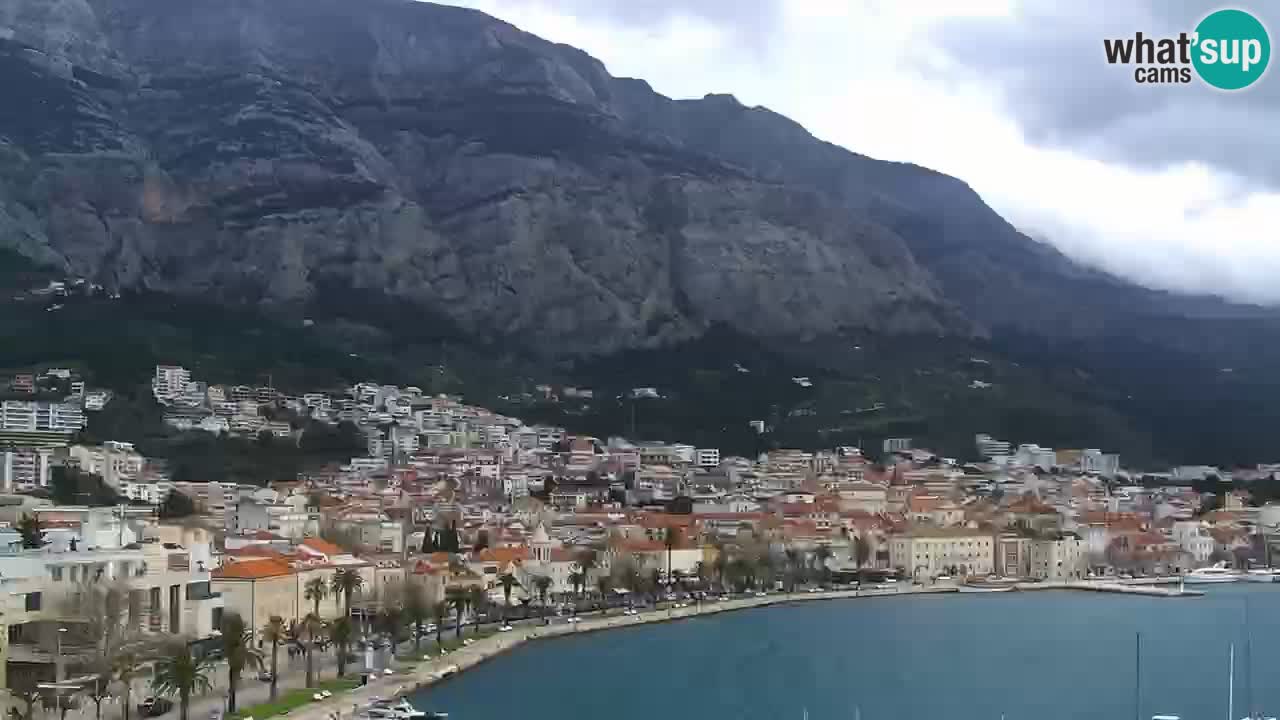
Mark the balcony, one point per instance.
(33, 653)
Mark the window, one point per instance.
(56, 573)
(33, 602)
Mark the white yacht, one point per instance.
(400, 710)
(1262, 575)
(1219, 573)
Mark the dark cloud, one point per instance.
(1049, 65)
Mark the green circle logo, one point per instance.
(1232, 49)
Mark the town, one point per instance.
(457, 517)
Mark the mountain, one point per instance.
(397, 164)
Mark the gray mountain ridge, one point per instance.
(259, 150)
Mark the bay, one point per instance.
(1042, 655)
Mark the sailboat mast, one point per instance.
(1137, 676)
(1231, 684)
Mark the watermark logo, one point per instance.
(1228, 50)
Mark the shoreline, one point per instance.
(438, 668)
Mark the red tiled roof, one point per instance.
(255, 551)
(503, 555)
(923, 503)
(253, 569)
(322, 547)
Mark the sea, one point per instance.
(1043, 655)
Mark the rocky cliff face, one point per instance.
(257, 150)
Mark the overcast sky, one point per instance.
(1175, 186)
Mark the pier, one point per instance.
(1151, 590)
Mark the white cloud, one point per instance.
(870, 77)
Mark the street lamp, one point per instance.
(57, 658)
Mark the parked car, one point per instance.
(264, 676)
(153, 706)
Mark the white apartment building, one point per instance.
(150, 492)
(706, 457)
(515, 484)
(28, 415)
(164, 570)
(25, 468)
(989, 447)
(1193, 537)
(169, 382)
(115, 462)
(1032, 455)
(213, 497)
(289, 519)
(1096, 461)
(893, 445)
(96, 400)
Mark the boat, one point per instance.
(1262, 575)
(1219, 573)
(400, 710)
(989, 584)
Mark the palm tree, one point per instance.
(347, 581)
(720, 565)
(416, 613)
(543, 584)
(670, 538)
(439, 611)
(477, 600)
(578, 580)
(316, 590)
(180, 673)
(391, 622)
(587, 560)
(603, 585)
(239, 651)
(861, 550)
(634, 581)
(793, 567)
(822, 554)
(275, 633)
(457, 597)
(342, 632)
(508, 582)
(700, 572)
(303, 635)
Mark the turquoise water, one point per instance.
(1042, 655)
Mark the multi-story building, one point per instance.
(1013, 556)
(151, 492)
(707, 457)
(290, 519)
(989, 447)
(27, 415)
(926, 552)
(893, 445)
(170, 382)
(162, 572)
(115, 462)
(25, 468)
(1061, 557)
(212, 497)
(1193, 537)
